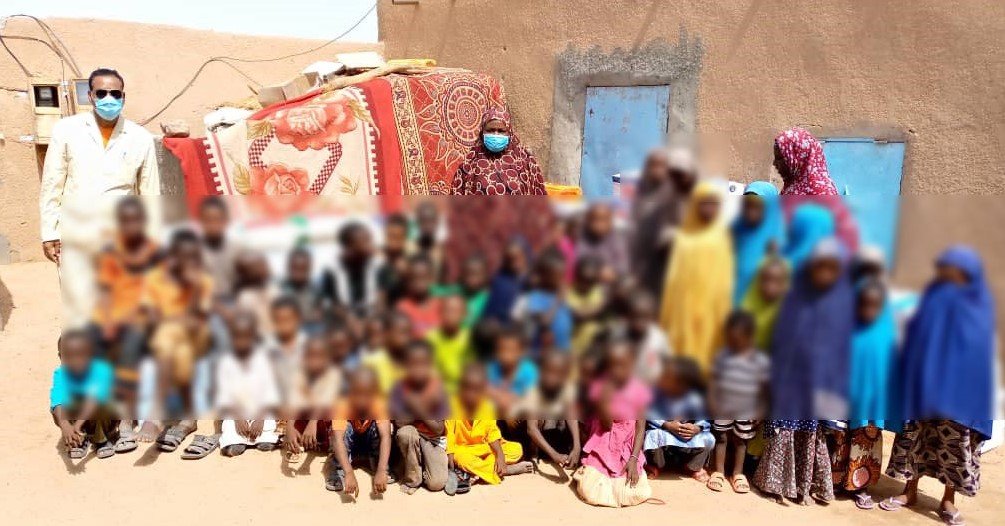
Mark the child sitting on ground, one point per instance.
(80, 398)
(737, 398)
(362, 430)
(511, 374)
(549, 409)
(474, 443)
(419, 407)
(247, 394)
(612, 471)
(677, 432)
(313, 389)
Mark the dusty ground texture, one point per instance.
(150, 488)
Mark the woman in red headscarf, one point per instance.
(799, 159)
(498, 164)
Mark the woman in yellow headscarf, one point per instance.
(697, 295)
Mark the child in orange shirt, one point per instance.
(361, 429)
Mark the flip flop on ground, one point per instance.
(740, 484)
(201, 447)
(717, 482)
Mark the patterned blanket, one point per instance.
(391, 136)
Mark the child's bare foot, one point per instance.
(148, 432)
(520, 468)
(701, 476)
(805, 500)
(652, 472)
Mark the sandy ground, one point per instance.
(41, 487)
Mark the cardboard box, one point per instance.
(291, 89)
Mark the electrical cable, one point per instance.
(226, 60)
(64, 53)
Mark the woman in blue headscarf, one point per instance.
(809, 377)
(946, 385)
(810, 224)
(758, 230)
(857, 452)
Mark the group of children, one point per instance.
(561, 354)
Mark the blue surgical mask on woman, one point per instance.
(495, 142)
(109, 108)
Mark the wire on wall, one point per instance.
(226, 60)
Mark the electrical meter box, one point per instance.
(47, 103)
(81, 104)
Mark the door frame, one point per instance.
(658, 63)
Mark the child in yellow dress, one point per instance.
(474, 442)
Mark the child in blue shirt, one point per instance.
(80, 398)
(551, 321)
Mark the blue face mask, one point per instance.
(108, 108)
(495, 142)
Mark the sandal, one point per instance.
(717, 482)
(863, 501)
(79, 452)
(335, 481)
(126, 443)
(104, 450)
(892, 504)
(265, 446)
(951, 518)
(171, 438)
(234, 450)
(201, 447)
(740, 484)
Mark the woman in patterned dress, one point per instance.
(946, 385)
(498, 164)
(809, 370)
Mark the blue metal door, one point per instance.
(621, 125)
(868, 174)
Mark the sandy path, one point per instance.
(145, 487)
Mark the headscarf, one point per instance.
(513, 171)
(946, 366)
(811, 345)
(697, 296)
(811, 181)
(804, 156)
(751, 242)
(873, 353)
(810, 224)
(765, 312)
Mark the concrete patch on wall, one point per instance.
(657, 63)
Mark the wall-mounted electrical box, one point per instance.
(47, 103)
(81, 104)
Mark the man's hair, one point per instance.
(104, 72)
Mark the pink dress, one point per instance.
(608, 451)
